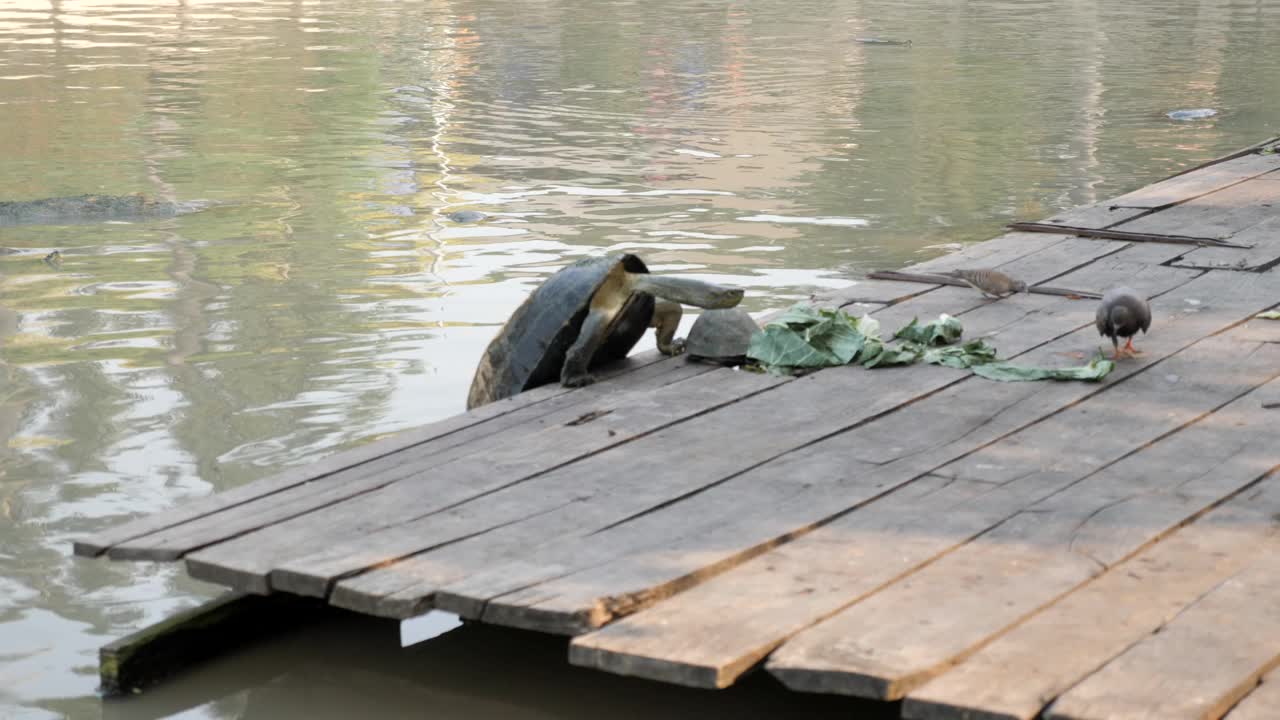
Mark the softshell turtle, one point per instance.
(94, 208)
(721, 336)
(586, 315)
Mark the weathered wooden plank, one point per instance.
(1099, 215)
(1265, 253)
(996, 252)
(404, 589)
(1261, 702)
(428, 491)
(741, 616)
(1198, 665)
(407, 512)
(1179, 187)
(1222, 214)
(871, 292)
(1188, 187)
(98, 543)
(893, 641)
(192, 636)
(518, 429)
(1014, 677)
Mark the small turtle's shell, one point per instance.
(530, 349)
(721, 336)
(466, 216)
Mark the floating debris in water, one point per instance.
(878, 41)
(1192, 114)
(466, 216)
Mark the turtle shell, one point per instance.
(721, 336)
(530, 349)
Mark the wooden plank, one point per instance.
(740, 617)
(1179, 187)
(900, 637)
(870, 292)
(1099, 215)
(1261, 702)
(174, 542)
(98, 543)
(427, 491)
(1265, 253)
(1199, 664)
(1222, 214)
(697, 530)
(144, 658)
(1192, 186)
(1014, 677)
(996, 252)
(246, 570)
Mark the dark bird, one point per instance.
(991, 283)
(1122, 314)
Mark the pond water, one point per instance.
(327, 298)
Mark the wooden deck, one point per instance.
(978, 549)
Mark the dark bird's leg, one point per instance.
(1115, 344)
(1129, 348)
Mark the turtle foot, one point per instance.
(673, 348)
(577, 381)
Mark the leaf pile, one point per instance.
(805, 338)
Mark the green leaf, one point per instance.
(807, 337)
(902, 354)
(1008, 372)
(802, 314)
(943, 331)
(974, 352)
(779, 345)
(1269, 315)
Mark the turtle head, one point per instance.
(687, 291)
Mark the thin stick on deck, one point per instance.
(1122, 235)
(947, 280)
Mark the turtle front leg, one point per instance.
(666, 318)
(574, 373)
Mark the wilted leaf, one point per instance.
(943, 331)
(901, 354)
(872, 345)
(801, 314)
(778, 345)
(974, 352)
(1008, 372)
(1269, 315)
(807, 337)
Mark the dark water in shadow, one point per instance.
(471, 672)
(328, 299)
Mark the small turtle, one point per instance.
(466, 216)
(721, 336)
(1121, 314)
(585, 315)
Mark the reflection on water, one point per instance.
(328, 299)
